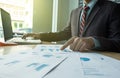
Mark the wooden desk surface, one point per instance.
(8, 49)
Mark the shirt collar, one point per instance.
(91, 4)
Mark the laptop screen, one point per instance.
(6, 24)
(1, 31)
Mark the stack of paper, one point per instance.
(48, 61)
(29, 64)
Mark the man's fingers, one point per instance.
(24, 36)
(84, 48)
(67, 43)
(77, 44)
(27, 35)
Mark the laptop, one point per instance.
(6, 29)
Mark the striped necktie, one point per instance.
(83, 19)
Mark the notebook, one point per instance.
(6, 28)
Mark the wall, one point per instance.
(42, 15)
(63, 13)
(64, 10)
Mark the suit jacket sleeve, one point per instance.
(64, 34)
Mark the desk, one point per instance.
(8, 49)
(62, 72)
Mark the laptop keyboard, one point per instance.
(20, 40)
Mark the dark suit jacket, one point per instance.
(103, 24)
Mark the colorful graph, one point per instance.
(38, 66)
(84, 59)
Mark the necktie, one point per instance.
(83, 18)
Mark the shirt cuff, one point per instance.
(97, 43)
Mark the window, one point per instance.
(15, 25)
(20, 11)
(20, 25)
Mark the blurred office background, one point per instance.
(39, 15)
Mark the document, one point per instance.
(95, 65)
(29, 64)
(51, 48)
(48, 61)
(82, 65)
(87, 65)
(70, 68)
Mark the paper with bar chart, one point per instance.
(29, 64)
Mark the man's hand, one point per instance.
(79, 44)
(33, 35)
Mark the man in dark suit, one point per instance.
(101, 30)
